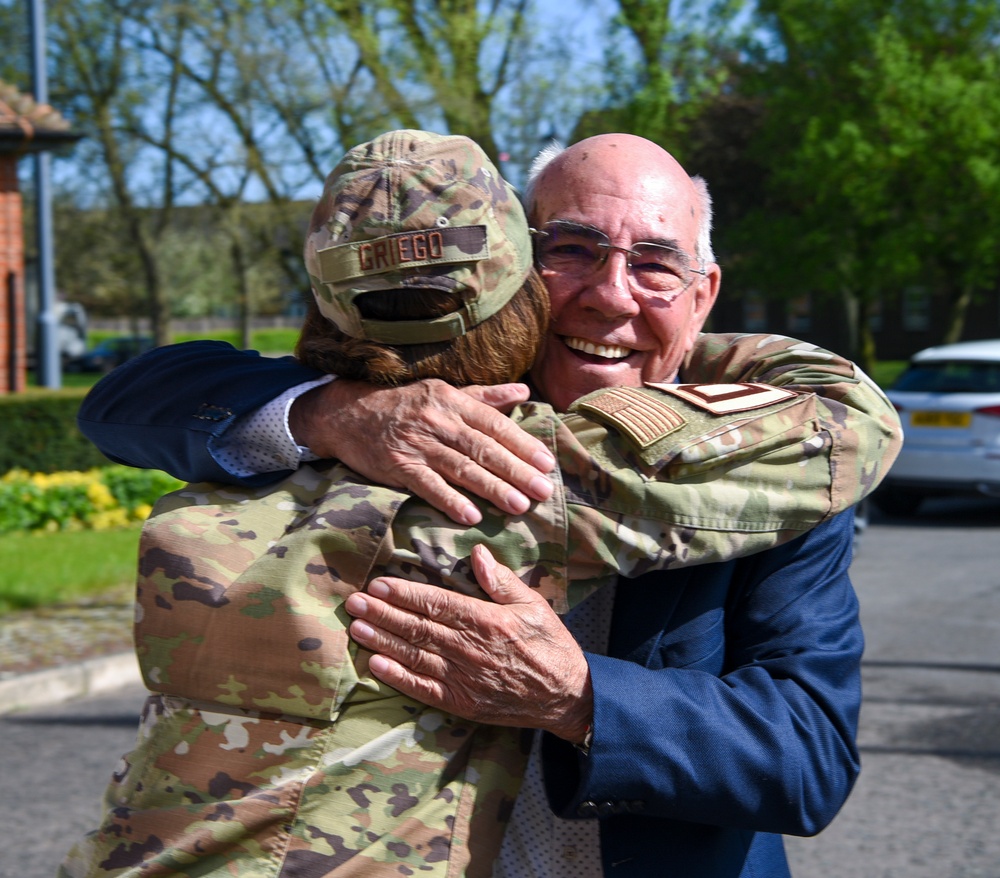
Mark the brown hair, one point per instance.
(500, 349)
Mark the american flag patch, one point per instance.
(645, 419)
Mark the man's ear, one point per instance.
(703, 295)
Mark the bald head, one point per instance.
(632, 166)
(608, 329)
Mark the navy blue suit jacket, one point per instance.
(726, 710)
(724, 715)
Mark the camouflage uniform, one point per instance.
(270, 750)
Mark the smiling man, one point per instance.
(631, 277)
(688, 718)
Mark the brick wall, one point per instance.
(13, 363)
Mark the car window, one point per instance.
(950, 376)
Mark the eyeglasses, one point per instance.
(578, 251)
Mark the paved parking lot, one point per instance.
(928, 800)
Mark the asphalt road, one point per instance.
(928, 801)
(927, 804)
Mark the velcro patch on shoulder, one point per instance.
(645, 419)
(724, 399)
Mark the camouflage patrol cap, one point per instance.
(416, 210)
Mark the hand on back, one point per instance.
(431, 439)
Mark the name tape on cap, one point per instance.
(404, 250)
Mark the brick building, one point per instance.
(25, 127)
(913, 320)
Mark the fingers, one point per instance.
(502, 397)
(488, 420)
(405, 655)
(437, 471)
(407, 649)
(511, 662)
(428, 690)
(433, 440)
(425, 483)
(472, 446)
(459, 456)
(499, 582)
(423, 614)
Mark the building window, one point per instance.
(875, 315)
(799, 315)
(916, 309)
(754, 313)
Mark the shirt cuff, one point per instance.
(260, 441)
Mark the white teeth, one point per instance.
(609, 351)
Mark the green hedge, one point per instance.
(39, 432)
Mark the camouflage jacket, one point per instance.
(270, 749)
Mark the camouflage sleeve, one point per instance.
(653, 477)
(864, 428)
(690, 474)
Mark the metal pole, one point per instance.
(49, 364)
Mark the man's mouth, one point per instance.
(605, 351)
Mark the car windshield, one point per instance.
(950, 376)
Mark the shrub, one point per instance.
(40, 433)
(97, 499)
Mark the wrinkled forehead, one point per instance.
(627, 204)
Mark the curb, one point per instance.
(55, 685)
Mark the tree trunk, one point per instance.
(956, 315)
(242, 294)
(852, 308)
(860, 338)
(159, 310)
(865, 355)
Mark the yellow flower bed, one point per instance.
(98, 499)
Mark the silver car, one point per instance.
(949, 401)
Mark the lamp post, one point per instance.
(48, 362)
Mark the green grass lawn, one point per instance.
(282, 341)
(886, 371)
(44, 569)
(267, 341)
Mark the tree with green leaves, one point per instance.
(665, 62)
(880, 134)
(109, 86)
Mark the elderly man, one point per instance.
(702, 718)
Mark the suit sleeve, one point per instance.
(160, 410)
(766, 742)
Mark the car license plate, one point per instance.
(940, 419)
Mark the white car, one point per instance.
(948, 399)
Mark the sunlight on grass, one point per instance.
(275, 341)
(51, 568)
(267, 341)
(886, 371)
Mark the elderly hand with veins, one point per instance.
(431, 437)
(510, 662)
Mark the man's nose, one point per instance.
(608, 288)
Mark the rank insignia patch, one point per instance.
(723, 399)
